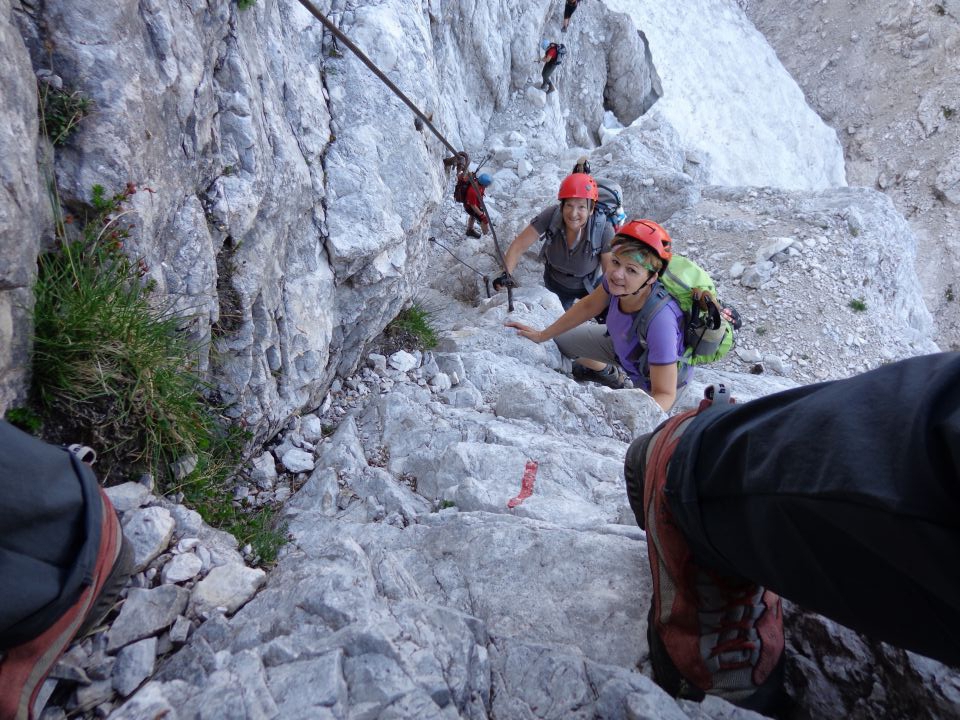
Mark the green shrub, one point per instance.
(61, 111)
(113, 367)
(246, 4)
(858, 305)
(412, 329)
(207, 490)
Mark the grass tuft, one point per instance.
(106, 354)
(113, 367)
(412, 327)
(206, 490)
(857, 305)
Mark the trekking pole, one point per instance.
(484, 161)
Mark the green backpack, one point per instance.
(706, 335)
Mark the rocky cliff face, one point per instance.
(289, 208)
(288, 191)
(886, 75)
(24, 208)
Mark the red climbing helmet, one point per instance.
(578, 185)
(648, 233)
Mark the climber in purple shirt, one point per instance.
(640, 253)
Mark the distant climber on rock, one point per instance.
(605, 354)
(582, 165)
(553, 54)
(469, 191)
(569, 8)
(576, 241)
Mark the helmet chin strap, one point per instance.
(640, 289)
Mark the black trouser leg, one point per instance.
(50, 517)
(843, 497)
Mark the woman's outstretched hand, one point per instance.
(527, 331)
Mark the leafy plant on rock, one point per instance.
(61, 111)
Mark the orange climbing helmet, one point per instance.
(648, 233)
(578, 185)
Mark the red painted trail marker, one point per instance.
(526, 485)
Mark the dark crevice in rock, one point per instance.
(656, 87)
(230, 317)
(633, 84)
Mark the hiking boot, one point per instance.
(611, 375)
(707, 633)
(473, 233)
(24, 668)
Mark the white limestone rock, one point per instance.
(948, 180)
(180, 630)
(772, 248)
(264, 471)
(402, 361)
(181, 568)
(149, 531)
(227, 586)
(311, 427)
(297, 461)
(127, 496)
(440, 381)
(187, 522)
(145, 613)
(378, 362)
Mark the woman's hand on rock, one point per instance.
(527, 331)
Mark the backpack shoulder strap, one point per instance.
(556, 222)
(598, 227)
(659, 297)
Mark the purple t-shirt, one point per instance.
(664, 338)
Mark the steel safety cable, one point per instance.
(326, 22)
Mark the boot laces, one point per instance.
(729, 609)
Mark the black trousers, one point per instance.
(547, 71)
(50, 517)
(843, 497)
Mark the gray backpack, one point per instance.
(610, 202)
